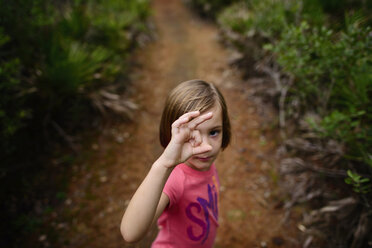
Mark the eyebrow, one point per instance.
(216, 127)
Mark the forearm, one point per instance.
(142, 208)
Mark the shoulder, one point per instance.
(174, 187)
(177, 175)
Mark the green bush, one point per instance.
(210, 8)
(322, 65)
(115, 22)
(333, 73)
(267, 17)
(53, 56)
(322, 51)
(360, 184)
(270, 17)
(12, 112)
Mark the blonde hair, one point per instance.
(193, 95)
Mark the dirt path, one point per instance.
(186, 48)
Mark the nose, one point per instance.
(206, 141)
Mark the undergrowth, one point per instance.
(61, 64)
(318, 56)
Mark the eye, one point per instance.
(214, 133)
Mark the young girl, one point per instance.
(182, 187)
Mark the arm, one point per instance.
(143, 207)
(148, 201)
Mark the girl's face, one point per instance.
(211, 133)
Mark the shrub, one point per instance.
(12, 112)
(54, 55)
(266, 17)
(333, 73)
(210, 8)
(319, 55)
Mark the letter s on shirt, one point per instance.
(196, 220)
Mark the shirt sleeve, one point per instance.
(174, 186)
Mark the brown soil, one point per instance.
(250, 204)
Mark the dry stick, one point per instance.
(324, 171)
(282, 88)
(299, 13)
(273, 73)
(66, 137)
(327, 95)
(327, 172)
(362, 230)
(283, 95)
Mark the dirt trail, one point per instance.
(186, 48)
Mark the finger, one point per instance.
(199, 120)
(196, 138)
(185, 118)
(201, 149)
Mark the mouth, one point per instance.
(203, 159)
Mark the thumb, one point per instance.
(201, 149)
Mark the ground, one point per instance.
(251, 213)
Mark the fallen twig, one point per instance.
(281, 86)
(65, 136)
(299, 165)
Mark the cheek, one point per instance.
(217, 143)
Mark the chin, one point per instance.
(200, 164)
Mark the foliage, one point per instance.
(53, 56)
(331, 68)
(11, 111)
(270, 17)
(335, 76)
(324, 67)
(210, 8)
(360, 184)
(320, 55)
(267, 18)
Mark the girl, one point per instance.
(181, 188)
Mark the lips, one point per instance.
(203, 159)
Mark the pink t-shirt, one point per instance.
(191, 219)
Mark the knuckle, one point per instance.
(174, 124)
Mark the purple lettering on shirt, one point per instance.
(196, 220)
(210, 204)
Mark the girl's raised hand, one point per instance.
(186, 139)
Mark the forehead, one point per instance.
(215, 121)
